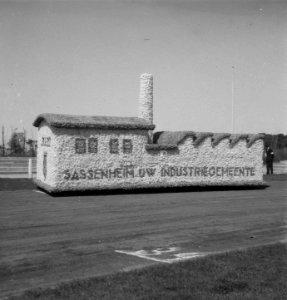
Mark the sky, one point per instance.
(86, 57)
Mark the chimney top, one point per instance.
(146, 75)
(146, 97)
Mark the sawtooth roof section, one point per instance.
(172, 139)
(98, 122)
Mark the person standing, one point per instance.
(269, 160)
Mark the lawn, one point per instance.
(13, 184)
(255, 273)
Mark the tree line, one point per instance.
(18, 144)
(278, 143)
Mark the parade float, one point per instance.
(90, 153)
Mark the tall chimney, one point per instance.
(146, 98)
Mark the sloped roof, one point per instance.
(98, 122)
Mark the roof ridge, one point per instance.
(99, 122)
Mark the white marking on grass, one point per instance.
(168, 256)
(38, 191)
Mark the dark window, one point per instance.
(93, 145)
(80, 146)
(127, 146)
(114, 146)
(45, 165)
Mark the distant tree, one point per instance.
(278, 142)
(268, 140)
(32, 147)
(3, 140)
(282, 141)
(16, 143)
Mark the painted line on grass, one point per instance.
(38, 191)
(170, 255)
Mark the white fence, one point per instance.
(17, 167)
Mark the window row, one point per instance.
(81, 146)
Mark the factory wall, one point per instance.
(81, 159)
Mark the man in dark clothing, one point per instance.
(269, 160)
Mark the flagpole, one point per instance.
(232, 100)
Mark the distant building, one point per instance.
(77, 153)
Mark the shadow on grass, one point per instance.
(155, 190)
(14, 184)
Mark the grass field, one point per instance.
(66, 245)
(256, 273)
(13, 184)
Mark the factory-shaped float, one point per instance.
(81, 153)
